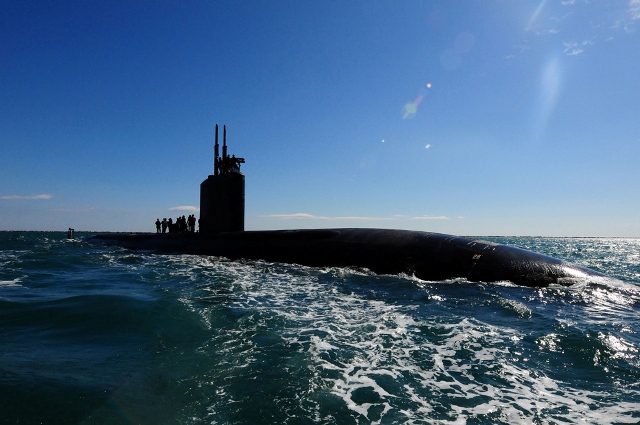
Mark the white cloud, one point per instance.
(634, 9)
(572, 48)
(430, 217)
(42, 196)
(293, 216)
(185, 208)
(305, 216)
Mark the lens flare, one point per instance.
(411, 108)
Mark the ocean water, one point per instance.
(101, 335)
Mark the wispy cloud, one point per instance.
(42, 196)
(430, 217)
(573, 48)
(634, 9)
(295, 216)
(569, 21)
(305, 216)
(185, 208)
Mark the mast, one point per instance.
(216, 160)
(224, 144)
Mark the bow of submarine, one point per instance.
(491, 262)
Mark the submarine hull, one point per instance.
(428, 256)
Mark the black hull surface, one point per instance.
(428, 256)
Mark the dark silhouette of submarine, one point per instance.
(428, 256)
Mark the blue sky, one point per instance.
(488, 117)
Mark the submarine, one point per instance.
(425, 255)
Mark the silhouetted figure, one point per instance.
(157, 225)
(164, 225)
(170, 225)
(192, 223)
(183, 224)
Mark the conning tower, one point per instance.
(222, 194)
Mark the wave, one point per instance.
(101, 334)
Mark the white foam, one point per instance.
(8, 283)
(383, 358)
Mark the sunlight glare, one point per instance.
(536, 13)
(549, 92)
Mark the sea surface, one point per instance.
(102, 335)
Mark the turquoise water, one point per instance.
(93, 335)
